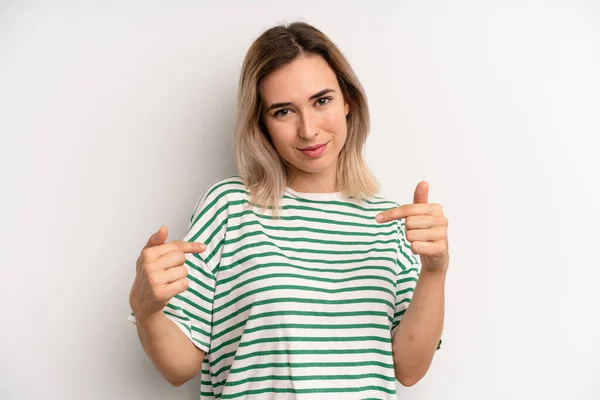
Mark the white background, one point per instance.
(116, 116)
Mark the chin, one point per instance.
(314, 166)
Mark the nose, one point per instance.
(309, 125)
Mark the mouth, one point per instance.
(314, 151)
(312, 147)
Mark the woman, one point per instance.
(286, 285)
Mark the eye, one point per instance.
(277, 113)
(321, 101)
(328, 98)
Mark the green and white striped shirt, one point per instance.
(298, 308)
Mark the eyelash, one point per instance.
(276, 114)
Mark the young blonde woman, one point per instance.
(293, 277)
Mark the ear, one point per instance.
(346, 108)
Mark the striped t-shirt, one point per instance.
(298, 308)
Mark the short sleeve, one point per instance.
(409, 269)
(192, 310)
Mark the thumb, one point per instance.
(421, 193)
(158, 237)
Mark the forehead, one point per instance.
(298, 80)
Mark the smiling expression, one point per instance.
(303, 107)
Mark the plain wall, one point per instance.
(115, 116)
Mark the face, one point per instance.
(303, 109)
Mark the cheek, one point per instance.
(282, 134)
(335, 122)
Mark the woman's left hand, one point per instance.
(426, 228)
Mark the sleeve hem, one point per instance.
(198, 343)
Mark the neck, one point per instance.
(325, 182)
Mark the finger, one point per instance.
(157, 238)
(429, 249)
(173, 274)
(425, 235)
(421, 193)
(420, 222)
(172, 259)
(176, 287)
(153, 253)
(402, 212)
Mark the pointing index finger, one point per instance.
(402, 211)
(192, 247)
(187, 247)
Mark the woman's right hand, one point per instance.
(161, 273)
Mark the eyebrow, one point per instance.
(314, 96)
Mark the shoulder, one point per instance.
(220, 194)
(224, 186)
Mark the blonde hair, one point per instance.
(261, 168)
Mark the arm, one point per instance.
(417, 336)
(169, 349)
(175, 275)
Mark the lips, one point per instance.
(313, 147)
(314, 151)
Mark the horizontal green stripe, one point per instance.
(303, 277)
(302, 313)
(311, 240)
(301, 300)
(302, 228)
(302, 268)
(230, 383)
(299, 365)
(405, 280)
(305, 250)
(404, 291)
(306, 391)
(373, 225)
(408, 271)
(385, 339)
(299, 352)
(301, 326)
(332, 364)
(303, 288)
(215, 350)
(320, 261)
(331, 314)
(315, 326)
(370, 215)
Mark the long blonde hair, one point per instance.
(261, 168)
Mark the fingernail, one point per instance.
(379, 217)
